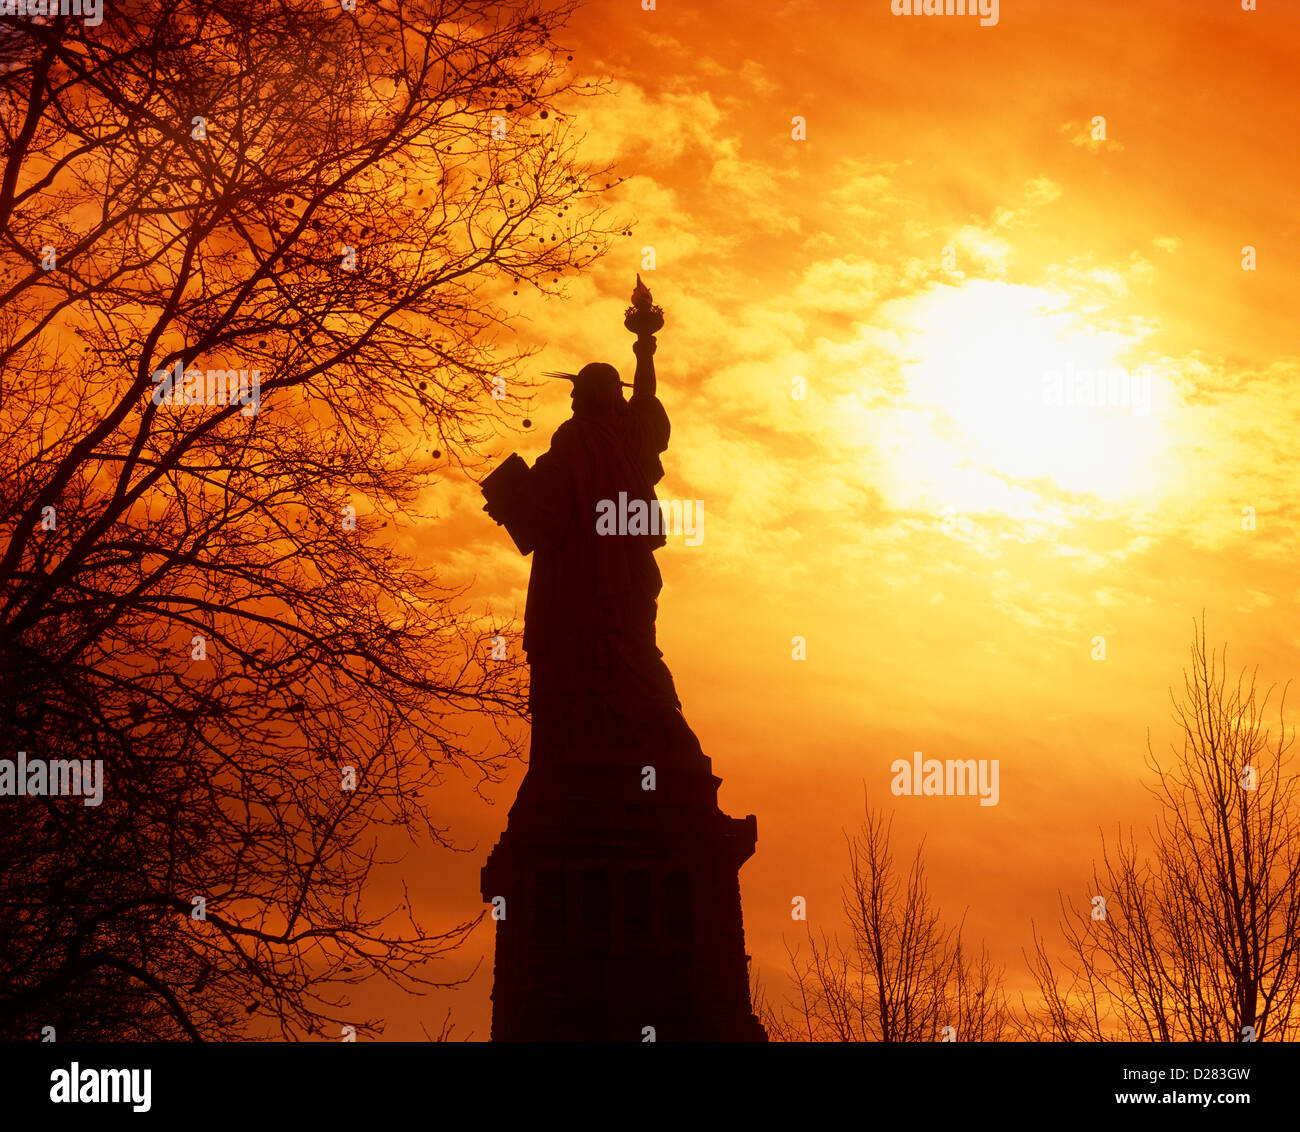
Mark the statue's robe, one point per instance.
(589, 623)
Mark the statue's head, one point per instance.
(596, 386)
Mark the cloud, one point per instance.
(635, 129)
(1041, 190)
(981, 253)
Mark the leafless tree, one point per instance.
(212, 588)
(903, 976)
(1195, 940)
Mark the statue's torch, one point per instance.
(643, 318)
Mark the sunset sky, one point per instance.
(947, 541)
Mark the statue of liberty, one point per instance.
(615, 885)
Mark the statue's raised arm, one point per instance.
(643, 384)
(645, 320)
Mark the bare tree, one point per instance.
(903, 976)
(251, 258)
(1197, 939)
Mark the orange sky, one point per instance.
(948, 544)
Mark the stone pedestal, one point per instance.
(622, 903)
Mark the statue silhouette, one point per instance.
(592, 599)
(614, 886)
(589, 621)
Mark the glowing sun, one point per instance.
(1013, 385)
